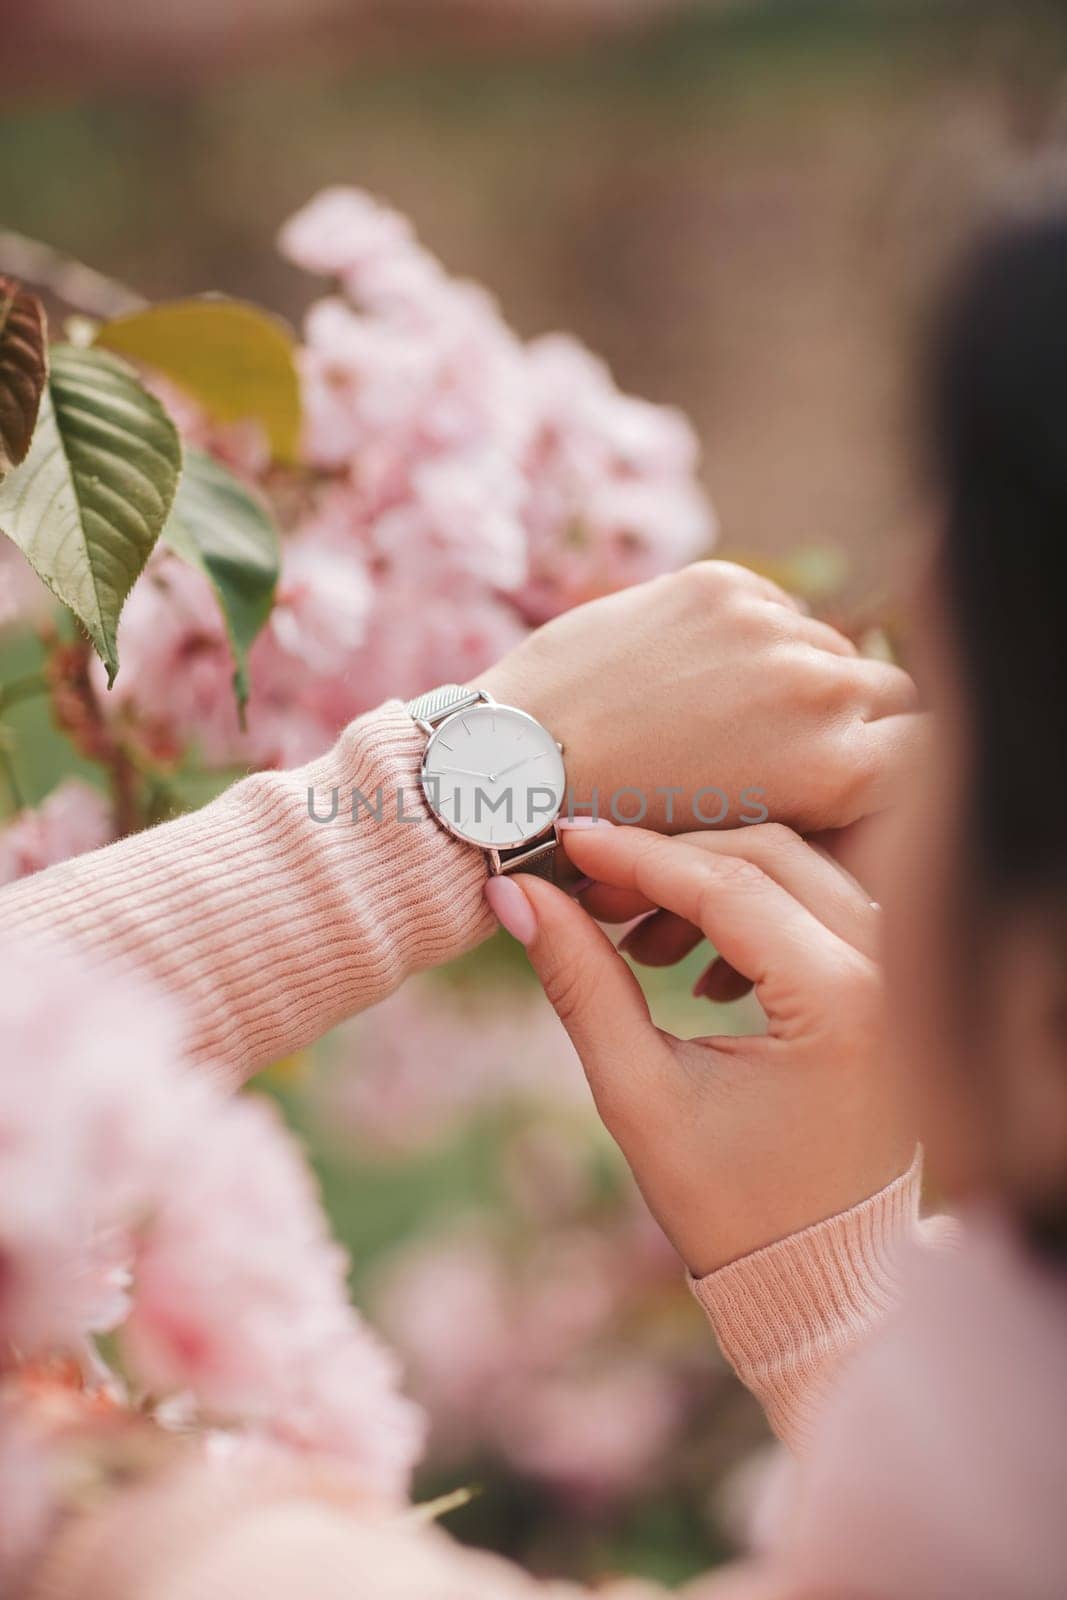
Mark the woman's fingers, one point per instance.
(594, 993)
(744, 577)
(661, 940)
(890, 751)
(888, 689)
(751, 920)
(720, 983)
(608, 904)
(807, 873)
(823, 636)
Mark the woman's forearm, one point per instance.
(268, 925)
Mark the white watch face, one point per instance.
(493, 776)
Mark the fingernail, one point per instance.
(566, 823)
(512, 909)
(703, 984)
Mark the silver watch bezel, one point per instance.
(494, 855)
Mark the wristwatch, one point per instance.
(492, 776)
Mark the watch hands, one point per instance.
(490, 777)
(505, 770)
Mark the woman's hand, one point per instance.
(712, 678)
(734, 1142)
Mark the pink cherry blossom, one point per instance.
(242, 446)
(388, 1559)
(323, 606)
(240, 1298)
(366, 385)
(613, 498)
(176, 681)
(343, 229)
(545, 1168)
(462, 518)
(458, 485)
(407, 1073)
(597, 1433)
(27, 1492)
(571, 1288)
(447, 1304)
(414, 642)
(74, 818)
(89, 1116)
(301, 662)
(522, 1354)
(386, 390)
(135, 1196)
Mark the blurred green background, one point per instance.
(742, 208)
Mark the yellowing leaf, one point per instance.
(231, 357)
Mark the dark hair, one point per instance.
(1000, 440)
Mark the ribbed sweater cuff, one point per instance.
(267, 925)
(787, 1315)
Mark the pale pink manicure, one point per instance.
(512, 909)
(565, 823)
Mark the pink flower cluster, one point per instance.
(136, 1199)
(408, 1073)
(240, 1297)
(525, 1327)
(527, 1351)
(74, 818)
(26, 1493)
(463, 485)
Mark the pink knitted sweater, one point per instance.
(271, 927)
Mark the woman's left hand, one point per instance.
(734, 1141)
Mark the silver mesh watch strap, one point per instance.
(538, 858)
(436, 704)
(427, 710)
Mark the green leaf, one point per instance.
(220, 528)
(23, 369)
(90, 500)
(233, 358)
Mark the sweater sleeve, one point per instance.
(268, 925)
(787, 1316)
